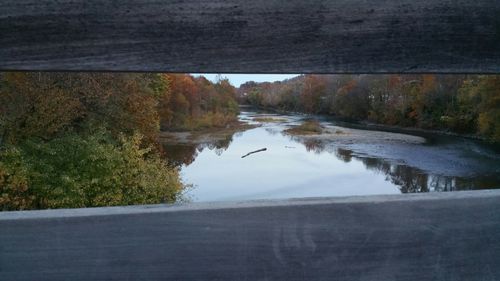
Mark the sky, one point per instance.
(238, 79)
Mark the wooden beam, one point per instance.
(433, 236)
(260, 36)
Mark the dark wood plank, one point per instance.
(262, 36)
(452, 236)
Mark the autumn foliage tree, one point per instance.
(196, 103)
(47, 104)
(456, 103)
(480, 100)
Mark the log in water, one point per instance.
(252, 152)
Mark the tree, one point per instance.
(484, 92)
(313, 92)
(49, 104)
(351, 101)
(195, 103)
(89, 171)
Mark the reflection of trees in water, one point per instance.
(272, 131)
(344, 155)
(179, 154)
(408, 179)
(440, 183)
(185, 154)
(312, 145)
(412, 180)
(219, 146)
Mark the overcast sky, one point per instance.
(238, 79)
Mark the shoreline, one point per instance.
(367, 125)
(205, 135)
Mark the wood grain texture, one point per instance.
(446, 238)
(260, 36)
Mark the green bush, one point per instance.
(14, 191)
(84, 171)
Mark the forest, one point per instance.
(463, 104)
(91, 139)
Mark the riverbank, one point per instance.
(367, 125)
(447, 157)
(207, 135)
(345, 135)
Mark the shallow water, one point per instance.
(359, 162)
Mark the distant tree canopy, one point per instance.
(91, 139)
(467, 104)
(196, 103)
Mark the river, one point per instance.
(351, 162)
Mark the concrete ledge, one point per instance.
(433, 236)
(160, 208)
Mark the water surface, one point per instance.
(293, 167)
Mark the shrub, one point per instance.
(84, 171)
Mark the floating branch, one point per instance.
(260, 150)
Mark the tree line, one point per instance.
(92, 139)
(465, 104)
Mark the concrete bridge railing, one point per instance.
(432, 236)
